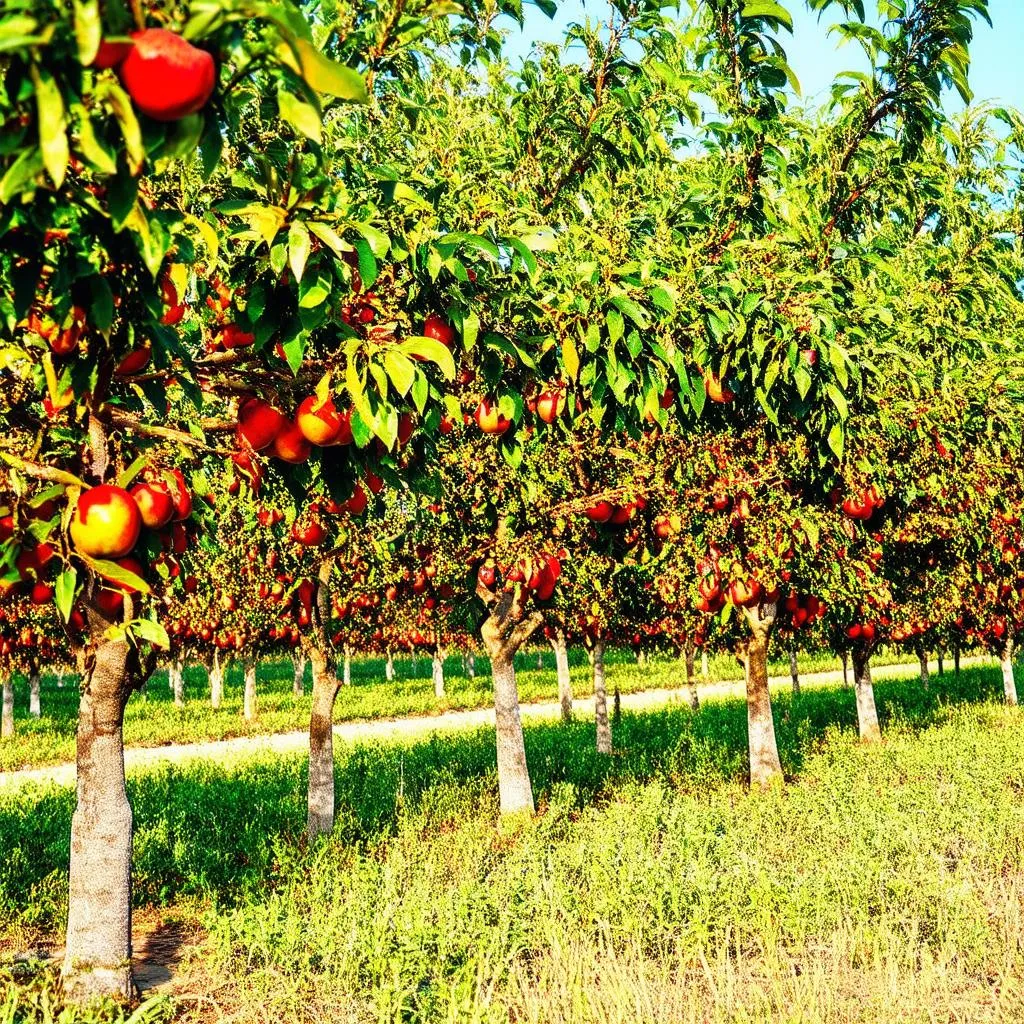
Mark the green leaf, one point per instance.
(129, 123)
(150, 632)
(303, 117)
(128, 475)
(570, 357)
(95, 151)
(835, 440)
(630, 309)
(88, 30)
(470, 330)
(400, 369)
(432, 351)
(298, 248)
(112, 572)
(53, 124)
(326, 75)
(64, 592)
(420, 392)
(24, 170)
(616, 325)
(767, 9)
(328, 236)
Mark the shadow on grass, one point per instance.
(224, 832)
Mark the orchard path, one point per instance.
(423, 725)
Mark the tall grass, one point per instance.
(883, 885)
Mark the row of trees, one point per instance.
(298, 312)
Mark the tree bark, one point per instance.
(765, 766)
(794, 673)
(299, 673)
(99, 949)
(691, 681)
(846, 664)
(867, 714)
(437, 672)
(940, 655)
(1009, 683)
(562, 672)
(34, 705)
(389, 668)
(7, 707)
(922, 657)
(603, 726)
(956, 660)
(177, 671)
(216, 681)
(471, 665)
(540, 661)
(504, 632)
(249, 700)
(320, 797)
(705, 668)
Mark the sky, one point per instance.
(997, 65)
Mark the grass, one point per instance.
(883, 885)
(152, 719)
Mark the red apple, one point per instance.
(155, 504)
(106, 522)
(166, 76)
(259, 422)
(290, 445)
(489, 418)
(319, 422)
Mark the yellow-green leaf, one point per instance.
(53, 124)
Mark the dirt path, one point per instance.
(137, 758)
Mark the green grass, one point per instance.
(152, 719)
(883, 885)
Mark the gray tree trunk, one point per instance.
(540, 661)
(794, 673)
(941, 656)
(1009, 683)
(867, 714)
(320, 797)
(956, 660)
(765, 766)
(7, 707)
(705, 668)
(98, 954)
(299, 674)
(347, 667)
(249, 700)
(603, 726)
(562, 671)
(34, 705)
(504, 632)
(437, 673)
(471, 665)
(922, 657)
(177, 672)
(389, 668)
(216, 681)
(691, 679)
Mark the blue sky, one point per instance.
(997, 64)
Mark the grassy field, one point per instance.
(153, 720)
(883, 885)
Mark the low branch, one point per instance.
(37, 472)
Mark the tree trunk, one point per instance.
(846, 663)
(603, 726)
(389, 668)
(437, 671)
(616, 704)
(922, 657)
(177, 671)
(320, 797)
(540, 661)
(794, 673)
(1009, 683)
(941, 656)
(956, 660)
(505, 631)
(705, 668)
(34, 706)
(99, 936)
(347, 667)
(765, 766)
(249, 701)
(299, 674)
(867, 715)
(471, 665)
(7, 707)
(691, 681)
(216, 681)
(60, 680)
(562, 671)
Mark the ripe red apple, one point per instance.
(550, 404)
(155, 504)
(439, 329)
(110, 55)
(489, 418)
(259, 422)
(600, 512)
(167, 77)
(716, 390)
(106, 522)
(319, 422)
(290, 445)
(745, 593)
(356, 505)
(135, 362)
(310, 534)
(233, 336)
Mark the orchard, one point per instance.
(339, 332)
